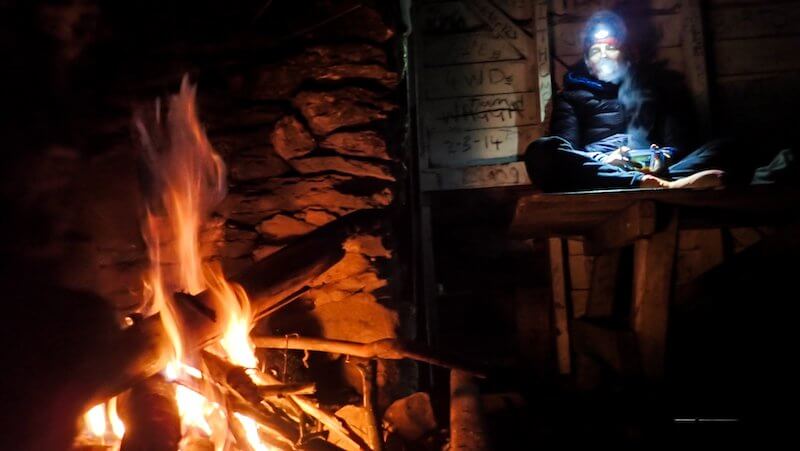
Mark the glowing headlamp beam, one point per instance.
(601, 33)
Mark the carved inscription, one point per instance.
(468, 48)
(485, 176)
(476, 79)
(464, 113)
(500, 25)
(467, 148)
(448, 17)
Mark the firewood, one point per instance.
(286, 389)
(222, 370)
(368, 370)
(389, 349)
(282, 430)
(151, 418)
(143, 349)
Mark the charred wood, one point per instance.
(151, 418)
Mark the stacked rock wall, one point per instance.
(305, 102)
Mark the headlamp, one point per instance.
(604, 27)
(601, 33)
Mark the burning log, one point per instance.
(151, 418)
(225, 371)
(389, 349)
(143, 349)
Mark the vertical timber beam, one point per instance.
(694, 54)
(560, 313)
(654, 261)
(467, 429)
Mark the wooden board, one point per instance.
(622, 228)
(516, 9)
(468, 48)
(476, 79)
(489, 111)
(764, 19)
(447, 17)
(500, 25)
(698, 252)
(585, 8)
(602, 290)
(577, 213)
(483, 176)
(483, 78)
(756, 93)
(580, 7)
(472, 147)
(762, 55)
(560, 312)
(654, 260)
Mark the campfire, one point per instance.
(209, 392)
(186, 375)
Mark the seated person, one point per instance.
(609, 106)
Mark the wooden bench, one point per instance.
(650, 221)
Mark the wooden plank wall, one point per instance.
(483, 76)
(755, 64)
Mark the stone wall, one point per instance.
(305, 102)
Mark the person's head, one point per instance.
(604, 46)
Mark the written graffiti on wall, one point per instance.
(485, 82)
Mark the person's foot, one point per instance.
(709, 179)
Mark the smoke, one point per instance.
(635, 100)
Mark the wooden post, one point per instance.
(560, 314)
(467, 431)
(694, 53)
(602, 289)
(654, 260)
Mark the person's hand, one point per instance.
(617, 157)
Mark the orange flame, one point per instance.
(101, 423)
(189, 181)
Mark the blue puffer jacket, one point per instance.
(588, 110)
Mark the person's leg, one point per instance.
(707, 156)
(554, 165)
(724, 155)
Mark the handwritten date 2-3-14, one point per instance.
(487, 142)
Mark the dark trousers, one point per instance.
(554, 165)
